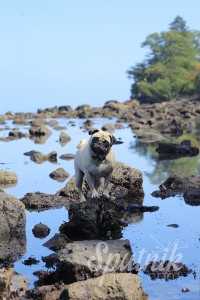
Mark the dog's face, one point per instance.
(101, 142)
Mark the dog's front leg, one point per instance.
(90, 181)
(106, 183)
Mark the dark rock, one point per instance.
(163, 194)
(64, 108)
(166, 270)
(94, 219)
(57, 242)
(41, 230)
(174, 151)
(30, 261)
(173, 225)
(138, 208)
(59, 174)
(192, 196)
(177, 184)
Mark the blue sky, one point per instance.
(75, 52)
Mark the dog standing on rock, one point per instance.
(94, 160)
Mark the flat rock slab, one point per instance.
(88, 259)
(40, 201)
(115, 286)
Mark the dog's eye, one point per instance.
(106, 144)
(95, 139)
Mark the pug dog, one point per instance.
(94, 159)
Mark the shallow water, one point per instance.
(148, 233)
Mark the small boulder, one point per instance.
(41, 230)
(7, 178)
(192, 197)
(64, 138)
(39, 157)
(59, 174)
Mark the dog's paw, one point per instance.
(82, 199)
(106, 194)
(94, 194)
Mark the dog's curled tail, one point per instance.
(81, 144)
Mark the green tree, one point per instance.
(171, 67)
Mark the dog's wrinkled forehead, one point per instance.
(102, 135)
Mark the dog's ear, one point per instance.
(113, 139)
(93, 131)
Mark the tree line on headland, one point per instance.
(171, 67)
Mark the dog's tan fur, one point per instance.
(93, 170)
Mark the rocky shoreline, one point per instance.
(170, 117)
(97, 222)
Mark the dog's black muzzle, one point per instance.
(99, 148)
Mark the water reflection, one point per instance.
(164, 168)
